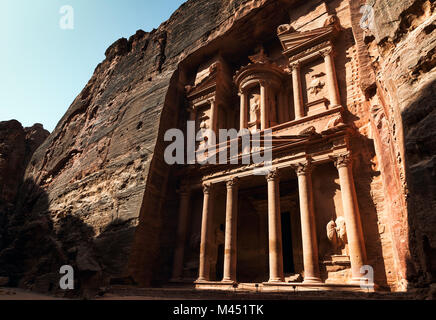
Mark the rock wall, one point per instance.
(95, 190)
(397, 58)
(17, 144)
(100, 178)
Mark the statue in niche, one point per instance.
(203, 124)
(254, 111)
(316, 85)
(337, 234)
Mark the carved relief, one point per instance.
(315, 81)
(316, 85)
(334, 122)
(337, 234)
(309, 131)
(285, 28)
(254, 107)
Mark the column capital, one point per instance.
(273, 175)
(184, 189)
(211, 100)
(242, 91)
(302, 168)
(342, 160)
(232, 183)
(263, 83)
(296, 65)
(207, 187)
(326, 52)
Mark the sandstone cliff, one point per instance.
(93, 191)
(17, 145)
(400, 84)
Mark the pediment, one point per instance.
(294, 42)
(207, 84)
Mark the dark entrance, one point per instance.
(288, 257)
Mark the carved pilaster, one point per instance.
(297, 90)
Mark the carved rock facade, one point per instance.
(352, 129)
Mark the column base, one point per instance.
(361, 281)
(314, 280)
(200, 280)
(228, 281)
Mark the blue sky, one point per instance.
(44, 67)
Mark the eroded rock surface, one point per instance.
(93, 191)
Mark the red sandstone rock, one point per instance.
(98, 195)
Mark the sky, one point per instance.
(44, 64)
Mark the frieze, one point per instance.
(308, 52)
(203, 98)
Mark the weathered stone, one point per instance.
(98, 195)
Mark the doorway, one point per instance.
(288, 256)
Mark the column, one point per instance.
(243, 109)
(263, 105)
(192, 114)
(356, 245)
(331, 77)
(181, 232)
(231, 227)
(308, 227)
(213, 115)
(274, 229)
(203, 267)
(298, 96)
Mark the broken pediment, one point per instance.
(294, 42)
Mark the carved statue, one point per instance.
(203, 124)
(316, 84)
(254, 110)
(284, 28)
(337, 233)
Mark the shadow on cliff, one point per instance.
(419, 119)
(35, 245)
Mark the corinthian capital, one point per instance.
(326, 52)
(273, 175)
(342, 160)
(294, 66)
(207, 187)
(232, 183)
(303, 168)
